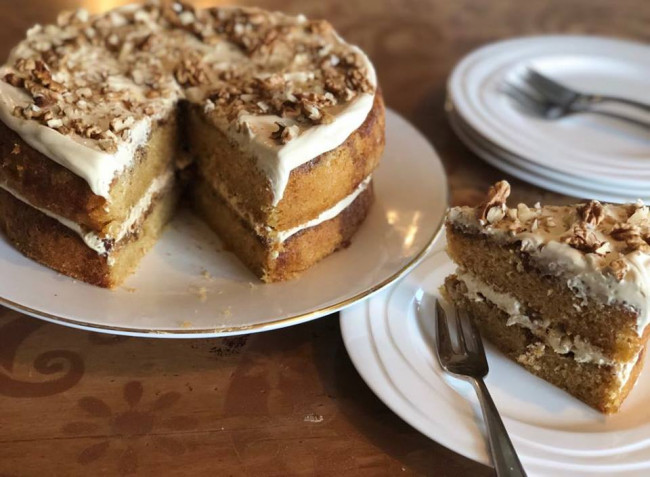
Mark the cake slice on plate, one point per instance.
(562, 290)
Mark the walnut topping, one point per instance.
(42, 74)
(284, 133)
(320, 27)
(584, 240)
(14, 80)
(618, 268)
(93, 132)
(310, 110)
(108, 145)
(190, 73)
(625, 232)
(97, 75)
(145, 43)
(632, 235)
(496, 199)
(16, 149)
(494, 214)
(118, 124)
(591, 213)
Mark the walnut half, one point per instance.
(284, 133)
(493, 209)
(591, 213)
(584, 240)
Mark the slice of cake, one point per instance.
(276, 121)
(562, 290)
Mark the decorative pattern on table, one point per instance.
(136, 423)
(66, 365)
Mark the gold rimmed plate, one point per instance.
(189, 287)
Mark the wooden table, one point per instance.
(287, 402)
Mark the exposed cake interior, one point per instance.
(558, 288)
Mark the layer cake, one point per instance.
(275, 122)
(562, 290)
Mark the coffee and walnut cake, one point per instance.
(273, 123)
(562, 290)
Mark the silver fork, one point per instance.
(567, 97)
(469, 362)
(538, 104)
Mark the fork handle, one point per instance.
(504, 456)
(596, 99)
(591, 110)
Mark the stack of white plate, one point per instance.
(583, 155)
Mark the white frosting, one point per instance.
(99, 169)
(96, 167)
(561, 343)
(329, 214)
(624, 370)
(92, 239)
(279, 236)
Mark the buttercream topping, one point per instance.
(86, 91)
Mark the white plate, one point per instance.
(170, 296)
(600, 149)
(391, 343)
(562, 183)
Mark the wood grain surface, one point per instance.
(283, 403)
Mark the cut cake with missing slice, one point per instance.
(272, 125)
(561, 290)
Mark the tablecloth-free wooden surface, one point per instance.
(283, 403)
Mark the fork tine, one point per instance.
(470, 328)
(460, 333)
(525, 99)
(442, 331)
(548, 87)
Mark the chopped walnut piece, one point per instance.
(118, 124)
(625, 232)
(14, 80)
(190, 73)
(618, 268)
(634, 237)
(42, 74)
(93, 132)
(591, 213)
(497, 196)
(284, 133)
(16, 149)
(146, 43)
(335, 84)
(357, 81)
(494, 214)
(270, 83)
(646, 237)
(108, 145)
(582, 239)
(319, 27)
(43, 100)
